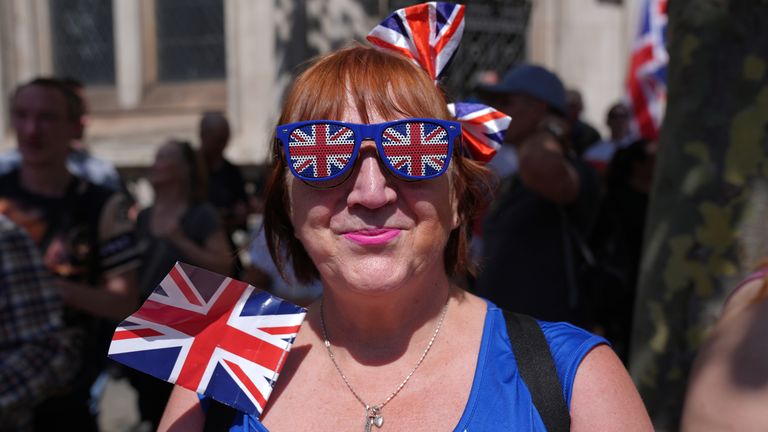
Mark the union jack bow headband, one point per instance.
(429, 34)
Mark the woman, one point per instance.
(179, 226)
(393, 332)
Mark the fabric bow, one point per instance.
(429, 34)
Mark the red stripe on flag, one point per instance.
(493, 115)
(252, 389)
(280, 330)
(452, 30)
(185, 289)
(479, 149)
(418, 20)
(133, 334)
(384, 44)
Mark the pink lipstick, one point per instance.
(372, 236)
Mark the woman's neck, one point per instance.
(379, 328)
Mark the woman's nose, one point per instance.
(370, 185)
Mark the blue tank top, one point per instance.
(499, 399)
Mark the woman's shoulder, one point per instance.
(568, 345)
(564, 339)
(567, 340)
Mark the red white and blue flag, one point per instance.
(429, 34)
(416, 149)
(321, 150)
(482, 126)
(647, 75)
(211, 334)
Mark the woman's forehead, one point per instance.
(374, 114)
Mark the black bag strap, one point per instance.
(219, 417)
(537, 368)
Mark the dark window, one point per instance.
(190, 40)
(82, 40)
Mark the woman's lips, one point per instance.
(372, 236)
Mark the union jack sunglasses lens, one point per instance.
(320, 151)
(416, 149)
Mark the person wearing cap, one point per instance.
(543, 209)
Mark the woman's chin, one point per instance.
(373, 279)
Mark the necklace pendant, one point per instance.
(373, 418)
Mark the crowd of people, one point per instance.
(554, 224)
(103, 256)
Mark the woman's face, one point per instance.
(168, 166)
(374, 232)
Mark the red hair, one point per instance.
(377, 82)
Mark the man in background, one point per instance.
(80, 161)
(528, 261)
(601, 154)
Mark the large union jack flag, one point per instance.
(211, 334)
(416, 149)
(321, 150)
(647, 74)
(429, 34)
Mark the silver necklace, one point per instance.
(373, 415)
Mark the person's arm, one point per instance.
(545, 170)
(604, 397)
(117, 294)
(215, 255)
(183, 413)
(116, 299)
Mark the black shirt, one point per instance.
(527, 245)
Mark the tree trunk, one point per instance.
(706, 223)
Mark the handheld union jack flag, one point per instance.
(647, 76)
(211, 334)
(429, 34)
(321, 150)
(482, 126)
(416, 149)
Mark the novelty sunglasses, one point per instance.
(412, 149)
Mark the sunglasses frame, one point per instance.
(365, 132)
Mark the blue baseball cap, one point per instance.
(532, 80)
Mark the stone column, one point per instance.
(4, 78)
(128, 54)
(251, 74)
(544, 32)
(25, 41)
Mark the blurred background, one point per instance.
(150, 67)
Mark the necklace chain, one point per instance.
(375, 409)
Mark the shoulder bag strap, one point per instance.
(218, 417)
(537, 368)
